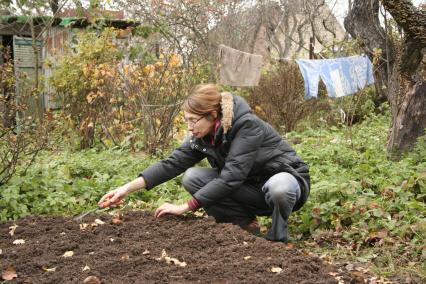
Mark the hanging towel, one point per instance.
(238, 68)
(342, 76)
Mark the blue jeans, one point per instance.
(276, 197)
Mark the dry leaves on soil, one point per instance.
(19, 242)
(9, 273)
(12, 229)
(170, 260)
(53, 269)
(92, 280)
(68, 253)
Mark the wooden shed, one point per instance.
(32, 40)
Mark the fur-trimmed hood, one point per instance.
(233, 107)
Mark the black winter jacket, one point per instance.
(251, 151)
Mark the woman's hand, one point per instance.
(113, 197)
(168, 208)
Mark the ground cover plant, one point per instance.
(364, 204)
(364, 207)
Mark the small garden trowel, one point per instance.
(104, 206)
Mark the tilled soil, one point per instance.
(183, 249)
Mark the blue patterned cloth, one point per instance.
(342, 76)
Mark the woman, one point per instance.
(254, 172)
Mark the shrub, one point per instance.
(22, 136)
(279, 99)
(117, 102)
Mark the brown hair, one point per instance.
(203, 100)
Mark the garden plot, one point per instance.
(141, 249)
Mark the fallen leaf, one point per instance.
(145, 252)
(377, 235)
(53, 269)
(68, 253)
(359, 276)
(19, 242)
(12, 229)
(92, 280)
(9, 273)
(199, 214)
(316, 210)
(289, 246)
(83, 226)
(170, 260)
(125, 256)
(1, 251)
(116, 221)
(163, 255)
(86, 268)
(118, 214)
(247, 257)
(99, 222)
(62, 234)
(245, 243)
(276, 270)
(362, 269)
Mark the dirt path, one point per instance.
(195, 250)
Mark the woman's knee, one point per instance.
(188, 179)
(283, 185)
(196, 177)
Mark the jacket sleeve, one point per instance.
(179, 161)
(243, 150)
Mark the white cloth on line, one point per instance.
(238, 68)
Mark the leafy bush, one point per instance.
(22, 134)
(118, 103)
(279, 99)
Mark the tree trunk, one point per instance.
(362, 23)
(409, 122)
(397, 78)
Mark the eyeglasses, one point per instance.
(192, 122)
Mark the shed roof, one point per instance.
(19, 25)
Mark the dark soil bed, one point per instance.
(131, 253)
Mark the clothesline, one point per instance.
(291, 60)
(342, 76)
